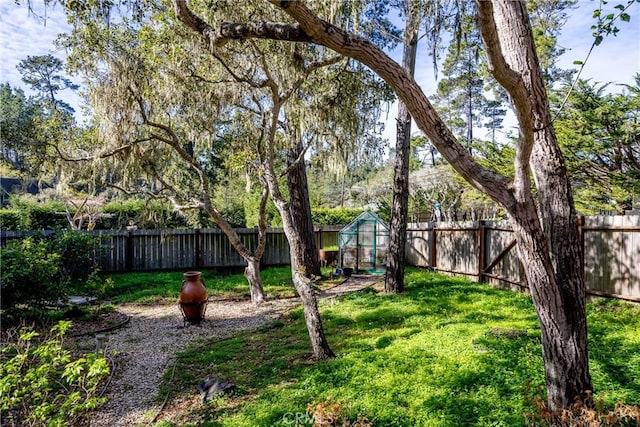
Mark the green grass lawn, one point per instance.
(152, 287)
(448, 352)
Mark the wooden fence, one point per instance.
(483, 250)
(486, 251)
(147, 250)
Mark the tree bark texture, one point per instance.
(301, 282)
(300, 208)
(548, 243)
(394, 279)
(252, 273)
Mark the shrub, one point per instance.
(11, 220)
(235, 216)
(37, 272)
(334, 216)
(42, 384)
(36, 215)
(29, 275)
(76, 252)
(121, 213)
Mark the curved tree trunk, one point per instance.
(252, 271)
(301, 282)
(394, 279)
(547, 233)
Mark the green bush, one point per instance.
(34, 215)
(42, 384)
(235, 216)
(37, 272)
(122, 212)
(76, 251)
(334, 216)
(11, 220)
(29, 276)
(151, 214)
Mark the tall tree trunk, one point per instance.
(394, 280)
(252, 273)
(301, 282)
(548, 241)
(300, 207)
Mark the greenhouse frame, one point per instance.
(364, 244)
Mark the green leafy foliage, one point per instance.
(10, 219)
(43, 384)
(39, 272)
(334, 216)
(29, 275)
(31, 214)
(599, 135)
(605, 24)
(143, 213)
(77, 255)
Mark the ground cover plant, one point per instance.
(164, 286)
(448, 352)
(42, 383)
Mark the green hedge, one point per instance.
(31, 215)
(11, 219)
(334, 216)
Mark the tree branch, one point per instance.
(232, 31)
(512, 81)
(310, 28)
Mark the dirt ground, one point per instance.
(140, 341)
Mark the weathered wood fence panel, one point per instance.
(487, 251)
(146, 250)
(482, 250)
(612, 254)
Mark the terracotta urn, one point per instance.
(193, 297)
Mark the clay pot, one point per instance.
(193, 297)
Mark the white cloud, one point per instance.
(615, 60)
(24, 34)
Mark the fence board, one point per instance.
(480, 250)
(611, 252)
(418, 245)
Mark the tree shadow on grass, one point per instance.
(614, 349)
(394, 366)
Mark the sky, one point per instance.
(616, 60)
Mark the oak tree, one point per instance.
(544, 222)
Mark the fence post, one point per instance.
(198, 248)
(481, 250)
(434, 247)
(319, 238)
(128, 250)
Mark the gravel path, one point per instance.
(143, 348)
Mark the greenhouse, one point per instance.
(364, 244)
